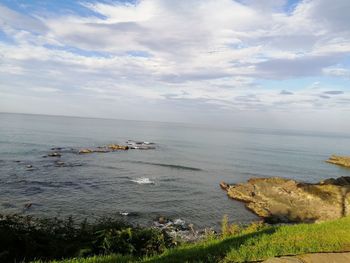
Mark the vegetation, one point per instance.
(24, 238)
(111, 241)
(252, 243)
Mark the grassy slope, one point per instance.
(272, 241)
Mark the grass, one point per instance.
(252, 245)
(97, 259)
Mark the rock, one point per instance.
(224, 186)
(54, 154)
(101, 150)
(284, 200)
(28, 205)
(115, 147)
(339, 160)
(342, 181)
(56, 149)
(162, 220)
(59, 163)
(84, 151)
(140, 145)
(178, 230)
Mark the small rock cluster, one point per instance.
(116, 147)
(179, 231)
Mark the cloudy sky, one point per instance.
(274, 63)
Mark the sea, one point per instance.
(179, 179)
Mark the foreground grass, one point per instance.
(333, 236)
(97, 259)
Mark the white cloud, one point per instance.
(195, 52)
(337, 72)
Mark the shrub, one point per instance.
(24, 238)
(229, 229)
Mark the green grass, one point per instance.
(96, 259)
(332, 236)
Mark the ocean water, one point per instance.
(179, 179)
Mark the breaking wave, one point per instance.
(143, 180)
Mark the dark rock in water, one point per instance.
(56, 149)
(140, 145)
(28, 205)
(59, 164)
(285, 200)
(54, 154)
(340, 160)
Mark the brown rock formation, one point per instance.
(339, 160)
(83, 151)
(105, 149)
(115, 147)
(285, 200)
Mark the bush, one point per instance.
(228, 230)
(149, 241)
(24, 238)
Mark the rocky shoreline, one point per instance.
(339, 160)
(285, 200)
(179, 231)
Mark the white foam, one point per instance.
(124, 213)
(179, 222)
(143, 180)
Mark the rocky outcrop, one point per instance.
(285, 200)
(339, 160)
(104, 149)
(117, 147)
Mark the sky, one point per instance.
(272, 63)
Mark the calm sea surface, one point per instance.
(179, 179)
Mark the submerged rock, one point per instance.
(28, 205)
(284, 200)
(59, 164)
(83, 151)
(339, 160)
(54, 154)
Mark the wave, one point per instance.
(172, 166)
(142, 180)
(125, 213)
